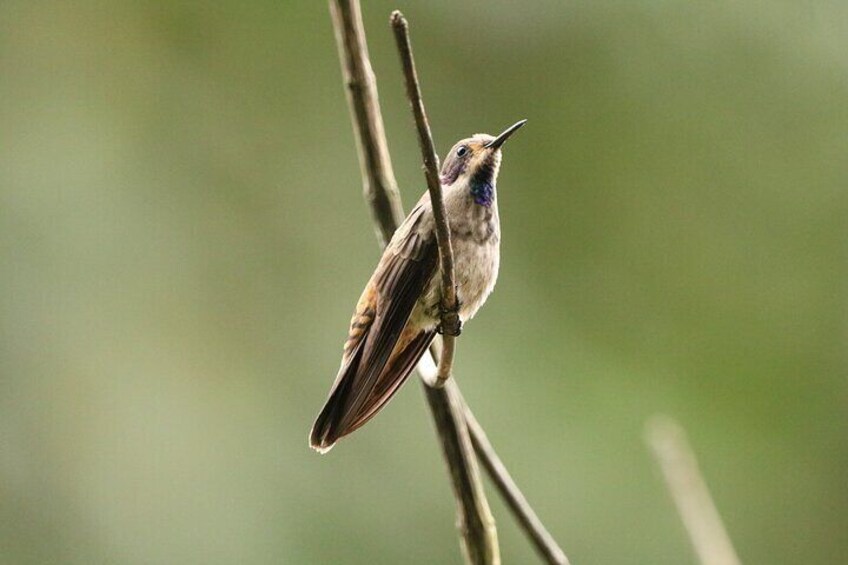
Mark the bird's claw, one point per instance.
(450, 323)
(455, 333)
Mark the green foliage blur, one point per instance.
(183, 239)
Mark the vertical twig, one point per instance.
(450, 317)
(679, 466)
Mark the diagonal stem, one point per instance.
(545, 544)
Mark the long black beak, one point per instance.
(499, 140)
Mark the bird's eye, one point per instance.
(461, 151)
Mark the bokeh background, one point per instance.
(183, 239)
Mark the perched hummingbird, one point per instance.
(398, 314)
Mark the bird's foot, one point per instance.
(454, 331)
(450, 323)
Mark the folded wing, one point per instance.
(382, 348)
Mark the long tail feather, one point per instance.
(341, 416)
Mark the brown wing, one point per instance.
(381, 350)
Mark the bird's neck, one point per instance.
(481, 184)
(482, 191)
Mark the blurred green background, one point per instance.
(183, 240)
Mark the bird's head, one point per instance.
(474, 162)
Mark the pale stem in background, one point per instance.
(668, 442)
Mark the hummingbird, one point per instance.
(399, 312)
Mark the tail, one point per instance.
(356, 399)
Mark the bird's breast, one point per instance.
(476, 270)
(476, 244)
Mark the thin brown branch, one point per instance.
(668, 442)
(543, 541)
(450, 318)
(447, 405)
